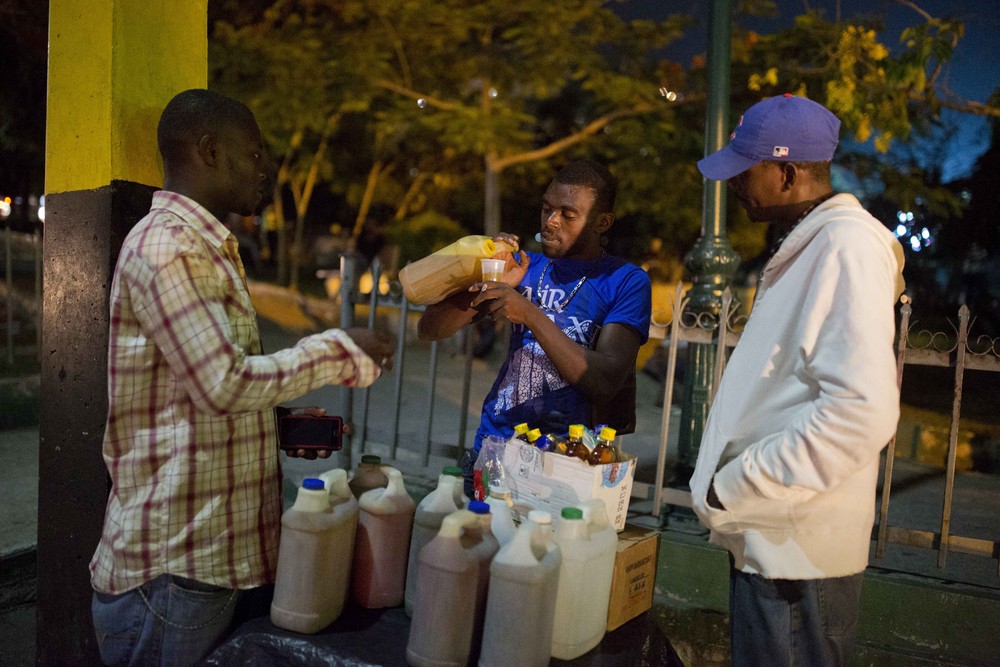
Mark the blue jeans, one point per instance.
(167, 621)
(807, 622)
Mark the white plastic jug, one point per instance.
(382, 543)
(584, 585)
(448, 270)
(520, 604)
(480, 540)
(599, 527)
(455, 471)
(431, 511)
(445, 597)
(314, 557)
(500, 504)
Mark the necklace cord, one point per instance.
(560, 307)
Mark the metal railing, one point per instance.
(925, 348)
(426, 456)
(913, 348)
(720, 330)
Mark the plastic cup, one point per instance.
(493, 269)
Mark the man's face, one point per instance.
(242, 168)
(568, 229)
(760, 190)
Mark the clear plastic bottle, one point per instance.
(431, 511)
(368, 475)
(520, 604)
(314, 560)
(500, 503)
(584, 585)
(576, 447)
(605, 451)
(441, 633)
(382, 544)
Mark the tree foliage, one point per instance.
(452, 94)
(459, 112)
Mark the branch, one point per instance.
(592, 128)
(912, 5)
(956, 103)
(397, 46)
(303, 204)
(403, 90)
(377, 171)
(411, 194)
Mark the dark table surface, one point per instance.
(367, 637)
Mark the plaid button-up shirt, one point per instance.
(190, 442)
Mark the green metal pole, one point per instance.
(712, 261)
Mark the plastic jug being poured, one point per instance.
(451, 269)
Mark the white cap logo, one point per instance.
(780, 151)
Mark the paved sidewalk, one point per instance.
(18, 490)
(916, 502)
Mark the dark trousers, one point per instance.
(793, 622)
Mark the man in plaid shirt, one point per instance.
(194, 510)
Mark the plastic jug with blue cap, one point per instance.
(314, 558)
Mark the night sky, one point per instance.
(973, 72)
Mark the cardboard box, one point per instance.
(549, 481)
(634, 578)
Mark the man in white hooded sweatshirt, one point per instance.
(788, 464)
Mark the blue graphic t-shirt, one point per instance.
(529, 388)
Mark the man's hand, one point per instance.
(517, 262)
(503, 302)
(713, 499)
(309, 454)
(378, 345)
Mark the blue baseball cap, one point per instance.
(785, 128)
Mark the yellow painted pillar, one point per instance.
(113, 65)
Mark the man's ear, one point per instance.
(789, 175)
(605, 221)
(207, 149)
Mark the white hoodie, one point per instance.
(807, 402)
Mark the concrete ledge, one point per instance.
(905, 619)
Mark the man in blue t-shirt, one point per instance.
(577, 314)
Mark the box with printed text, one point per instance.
(634, 577)
(548, 481)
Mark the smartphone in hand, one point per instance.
(310, 433)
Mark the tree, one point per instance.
(431, 103)
(263, 62)
(505, 61)
(424, 121)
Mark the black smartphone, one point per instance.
(306, 432)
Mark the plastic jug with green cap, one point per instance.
(431, 511)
